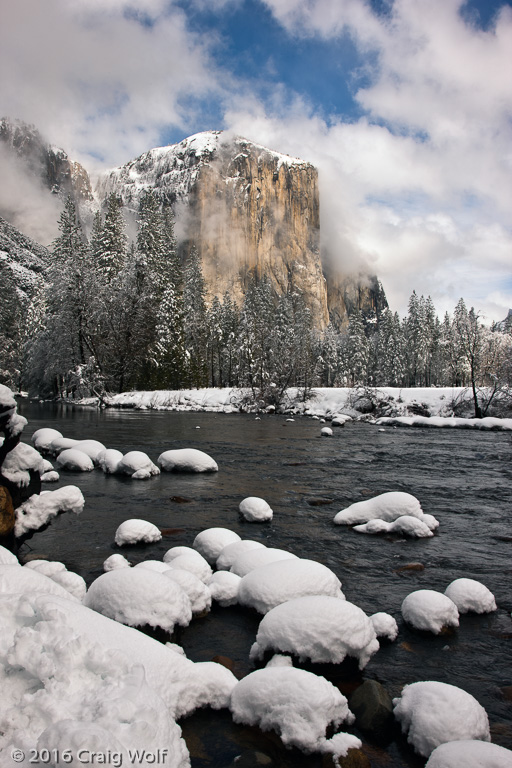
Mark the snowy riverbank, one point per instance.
(423, 406)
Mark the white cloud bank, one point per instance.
(418, 189)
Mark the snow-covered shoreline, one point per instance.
(384, 406)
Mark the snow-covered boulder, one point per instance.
(210, 542)
(326, 432)
(137, 465)
(19, 462)
(40, 508)
(153, 565)
(275, 583)
(298, 705)
(61, 444)
(195, 564)
(384, 625)
(230, 552)
(115, 561)
(256, 510)
(74, 460)
(14, 580)
(175, 552)
(405, 525)
(93, 448)
(137, 596)
(429, 610)
(469, 753)
(186, 460)
(255, 558)
(198, 593)
(223, 587)
(432, 713)
(109, 460)
(42, 438)
(386, 506)
(471, 596)
(50, 477)
(72, 582)
(136, 531)
(317, 628)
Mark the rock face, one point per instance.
(249, 211)
(50, 165)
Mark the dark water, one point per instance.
(462, 477)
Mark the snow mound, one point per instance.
(60, 444)
(326, 432)
(154, 565)
(93, 448)
(175, 552)
(386, 506)
(317, 628)
(256, 510)
(195, 564)
(297, 704)
(108, 460)
(469, 754)
(42, 438)
(19, 462)
(210, 542)
(7, 557)
(40, 508)
(138, 465)
(230, 552)
(384, 625)
(72, 582)
(223, 587)
(50, 477)
(433, 713)
(429, 610)
(198, 593)
(74, 461)
(137, 596)
(186, 460)
(256, 558)
(406, 525)
(136, 531)
(275, 583)
(29, 581)
(66, 687)
(115, 561)
(470, 596)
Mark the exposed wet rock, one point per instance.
(373, 708)
(355, 758)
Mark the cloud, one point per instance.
(99, 78)
(418, 189)
(25, 203)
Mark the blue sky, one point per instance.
(404, 106)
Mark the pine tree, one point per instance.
(195, 332)
(357, 350)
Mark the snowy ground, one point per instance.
(420, 406)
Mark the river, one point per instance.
(463, 477)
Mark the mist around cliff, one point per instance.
(25, 202)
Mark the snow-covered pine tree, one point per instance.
(195, 328)
(357, 350)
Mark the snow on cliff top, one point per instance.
(176, 166)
